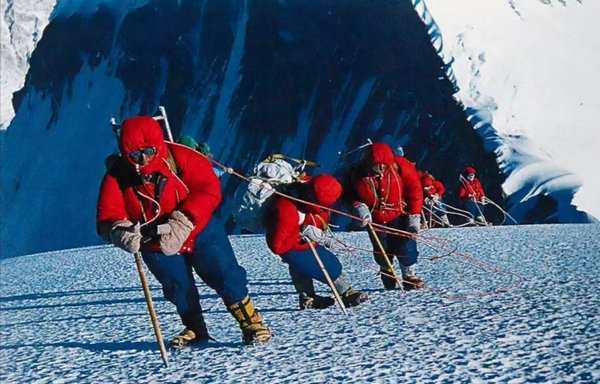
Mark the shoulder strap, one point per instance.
(172, 163)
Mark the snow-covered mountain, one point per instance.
(21, 27)
(530, 315)
(250, 78)
(525, 71)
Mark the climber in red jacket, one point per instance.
(433, 190)
(385, 189)
(291, 224)
(158, 198)
(471, 193)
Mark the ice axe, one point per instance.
(385, 256)
(155, 325)
(327, 277)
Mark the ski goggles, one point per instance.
(136, 154)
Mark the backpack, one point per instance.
(274, 173)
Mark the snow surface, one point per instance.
(530, 67)
(79, 316)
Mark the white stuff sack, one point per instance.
(267, 176)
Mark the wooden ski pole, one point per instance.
(424, 217)
(163, 117)
(385, 256)
(431, 216)
(155, 325)
(328, 278)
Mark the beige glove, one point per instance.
(312, 233)
(414, 223)
(362, 210)
(126, 235)
(172, 239)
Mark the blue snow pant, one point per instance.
(475, 208)
(212, 259)
(403, 247)
(303, 264)
(438, 208)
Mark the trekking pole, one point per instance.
(155, 325)
(431, 217)
(163, 117)
(328, 278)
(369, 142)
(385, 256)
(424, 218)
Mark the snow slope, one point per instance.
(82, 317)
(529, 69)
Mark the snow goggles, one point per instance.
(136, 154)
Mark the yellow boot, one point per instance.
(250, 321)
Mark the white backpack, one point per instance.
(269, 175)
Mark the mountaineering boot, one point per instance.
(410, 279)
(445, 221)
(195, 332)
(250, 321)
(315, 301)
(352, 298)
(387, 278)
(481, 220)
(349, 296)
(307, 298)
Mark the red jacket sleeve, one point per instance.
(439, 187)
(110, 206)
(478, 188)
(462, 192)
(412, 191)
(282, 228)
(204, 188)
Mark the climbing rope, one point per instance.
(436, 243)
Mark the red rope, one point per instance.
(427, 240)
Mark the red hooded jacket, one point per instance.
(130, 192)
(470, 189)
(431, 185)
(285, 217)
(397, 191)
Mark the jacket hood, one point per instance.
(325, 189)
(379, 153)
(469, 170)
(140, 132)
(427, 182)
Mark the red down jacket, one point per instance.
(129, 192)
(470, 189)
(431, 185)
(285, 217)
(396, 192)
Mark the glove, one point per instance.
(317, 235)
(428, 201)
(362, 211)
(435, 197)
(172, 239)
(414, 223)
(483, 200)
(126, 235)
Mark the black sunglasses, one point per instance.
(137, 153)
